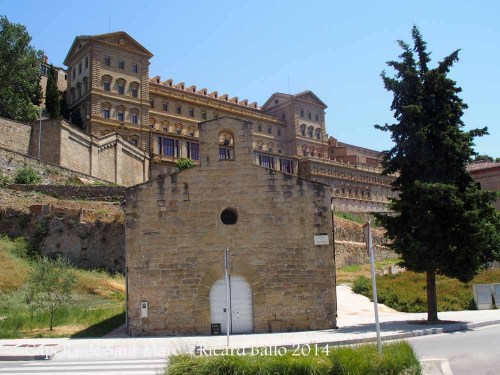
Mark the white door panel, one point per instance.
(241, 305)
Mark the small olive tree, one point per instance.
(50, 284)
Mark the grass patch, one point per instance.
(97, 307)
(407, 291)
(348, 274)
(397, 358)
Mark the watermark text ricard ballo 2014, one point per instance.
(264, 351)
(124, 351)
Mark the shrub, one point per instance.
(406, 291)
(27, 175)
(396, 358)
(4, 180)
(184, 163)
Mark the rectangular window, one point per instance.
(119, 116)
(317, 117)
(80, 68)
(107, 60)
(86, 62)
(278, 132)
(191, 112)
(193, 151)
(269, 130)
(301, 113)
(106, 86)
(133, 119)
(121, 89)
(309, 115)
(134, 92)
(178, 109)
(286, 166)
(203, 115)
(283, 116)
(43, 70)
(259, 127)
(224, 153)
(105, 113)
(134, 68)
(74, 73)
(133, 141)
(168, 146)
(165, 106)
(121, 64)
(266, 161)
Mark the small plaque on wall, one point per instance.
(321, 239)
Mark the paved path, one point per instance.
(122, 367)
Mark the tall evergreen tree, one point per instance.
(52, 96)
(442, 223)
(19, 73)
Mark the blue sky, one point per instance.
(251, 49)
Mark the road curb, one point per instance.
(27, 357)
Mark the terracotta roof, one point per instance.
(482, 165)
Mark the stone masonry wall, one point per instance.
(91, 193)
(15, 135)
(85, 242)
(350, 247)
(11, 161)
(175, 240)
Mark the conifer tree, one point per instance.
(52, 96)
(442, 223)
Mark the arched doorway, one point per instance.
(241, 317)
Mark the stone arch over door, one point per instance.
(216, 272)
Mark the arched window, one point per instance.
(106, 82)
(85, 85)
(120, 86)
(303, 130)
(226, 145)
(134, 89)
(310, 131)
(105, 110)
(318, 133)
(79, 89)
(134, 115)
(120, 113)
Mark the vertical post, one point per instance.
(369, 244)
(40, 131)
(228, 307)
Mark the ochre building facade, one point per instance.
(282, 278)
(109, 85)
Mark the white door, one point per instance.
(241, 317)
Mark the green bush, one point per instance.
(407, 291)
(27, 175)
(396, 358)
(184, 163)
(4, 180)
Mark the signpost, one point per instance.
(369, 245)
(228, 307)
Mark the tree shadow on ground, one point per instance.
(101, 328)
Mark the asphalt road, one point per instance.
(468, 352)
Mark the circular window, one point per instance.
(229, 216)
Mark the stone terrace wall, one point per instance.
(73, 234)
(15, 135)
(91, 193)
(350, 247)
(11, 161)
